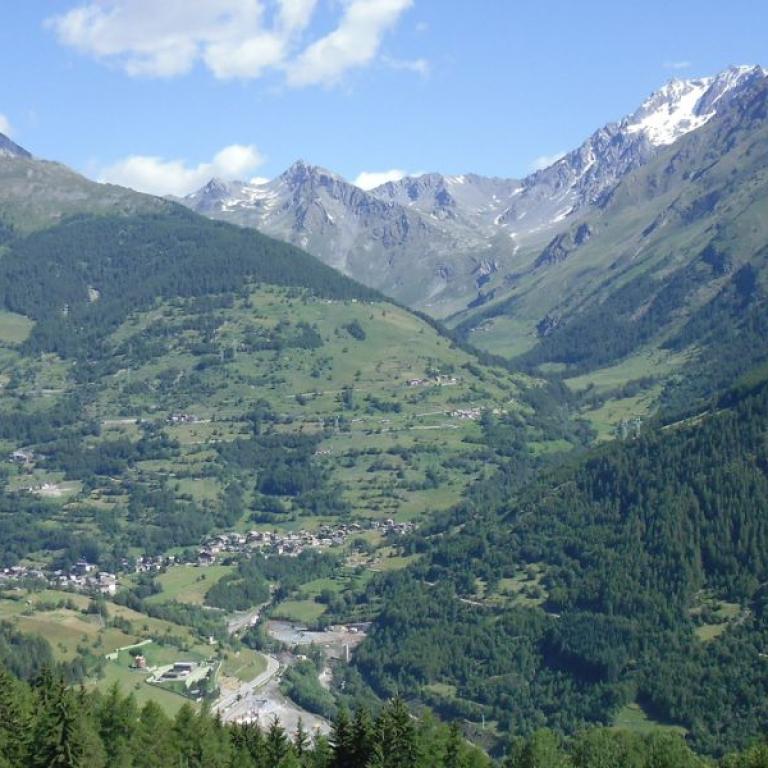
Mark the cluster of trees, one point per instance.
(45, 723)
(241, 590)
(285, 335)
(300, 682)
(45, 424)
(624, 540)
(283, 464)
(356, 330)
(249, 585)
(206, 623)
(731, 332)
(106, 458)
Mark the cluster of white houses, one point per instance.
(86, 577)
(471, 414)
(290, 543)
(81, 577)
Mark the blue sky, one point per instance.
(122, 90)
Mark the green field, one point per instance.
(714, 616)
(14, 328)
(391, 447)
(133, 681)
(66, 628)
(188, 583)
(301, 611)
(244, 664)
(632, 718)
(388, 404)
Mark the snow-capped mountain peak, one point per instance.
(682, 106)
(586, 176)
(670, 112)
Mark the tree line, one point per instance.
(45, 723)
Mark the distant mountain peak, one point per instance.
(9, 148)
(216, 186)
(682, 106)
(301, 171)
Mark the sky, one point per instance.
(161, 95)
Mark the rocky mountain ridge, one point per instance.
(437, 241)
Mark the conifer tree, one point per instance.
(117, 721)
(342, 740)
(153, 744)
(453, 747)
(15, 719)
(301, 740)
(322, 755)
(248, 738)
(397, 736)
(277, 744)
(65, 736)
(363, 736)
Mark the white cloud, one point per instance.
(354, 43)
(677, 64)
(232, 38)
(5, 125)
(174, 177)
(418, 66)
(544, 161)
(371, 179)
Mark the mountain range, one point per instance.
(634, 249)
(447, 244)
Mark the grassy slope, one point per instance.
(304, 385)
(70, 629)
(35, 194)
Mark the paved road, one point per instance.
(227, 706)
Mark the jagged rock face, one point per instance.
(372, 239)
(427, 240)
(469, 199)
(585, 177)
(563, 245)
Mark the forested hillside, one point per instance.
(81, 279)
(635, 575)
(383, 467)
(46, 724)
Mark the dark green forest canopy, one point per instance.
(626, 542)
(81, 279)
(47, 724)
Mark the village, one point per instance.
(86, 577)
(292, 543)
